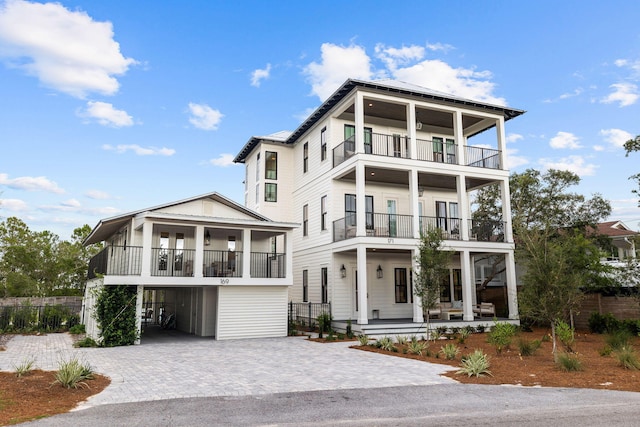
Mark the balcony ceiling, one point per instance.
(425, 180)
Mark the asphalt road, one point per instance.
(435, 405)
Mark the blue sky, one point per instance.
(112, 106)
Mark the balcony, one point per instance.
(427, 150)
(127, 261)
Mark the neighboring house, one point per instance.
(377, 163)
(623, 246)
(221, 269)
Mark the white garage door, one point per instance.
(252, 312)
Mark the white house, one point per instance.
(370, 168)
(221, 269)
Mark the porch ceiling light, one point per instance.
(207, 238)
(379, 271)
(343, 271)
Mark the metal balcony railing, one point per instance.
(116, 261)
(218, 263)
(268, 265)
(449, 227)
(486, 230)
(483, 157)
(172, 262)
(377, 224)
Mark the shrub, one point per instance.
(86, 342)
(324, 322)
(52, 318)
(481, 328)
(77, 329)
(449, 351)
(401, 339)
(442, 331)
(435, 334)
(116, 314)
(24, 367)
(564, 332)
(72, 373)
(363, 339)
(568, 362)
(386, 343)
(605, 351)
(349, 329)
(602, 323)
(476, 363)
(528, 348)
(464, 334)
(501, 335)
(417, 347)
(618, 339)
(24, 318)
(627, 358)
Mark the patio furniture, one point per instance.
(484, 309)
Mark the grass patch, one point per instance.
(569, 363)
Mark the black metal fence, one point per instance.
(304, 315)
(39, 318)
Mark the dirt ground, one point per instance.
(35, 396)
(599, 372)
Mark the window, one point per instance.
(368, 201)
(323, 144)
(305, 157)
(450, 146)
(350, 209)
(457, 284)
(257, 193)
(305, 220)
(454, 219)
(438, 155)
(270, 192)
(445, 289)
(178, 256)
(305, 286)
(397, 145)
(163, 253)
(401, 284)
(441, 215)
(258, 167)
(368, 137)
(271, 165)
(324, 291)
(323, 213)
(350, 135)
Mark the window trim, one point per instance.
(267, 162)
(305, 220)
(323, 144)
(305, 285)
(324, 285)
(323, 213)
(305, 157)
(401, 289)
(267, 193)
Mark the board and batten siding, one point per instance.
(252, 312)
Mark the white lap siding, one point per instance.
(252, 312)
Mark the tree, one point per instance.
(631, 146)
(433, 267)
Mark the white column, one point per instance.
(139, 297)
(246, 253)
(359, 122)
(467, 286)
(512, 291)
(413, 145)
(463, 206)
(414, 200)
(502, 143)
(458, 136)
(418, 315)
(361, 266)
(360, 204)
(288, 244)
(199, 258)
(147, 244)
(506, 210)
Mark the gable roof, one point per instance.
(615, 229)
(391, 86)
(108, 226)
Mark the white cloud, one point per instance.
(598, 148)
(393, 57)
(30, 183)
(623, 93)
(440, 47)
(106, 114)
(634, 65)
(204, 117)
(565, 140)
(514, 160)
(66, 50)
(258, 75)
(337, 65)
(576, 164)
(303, 115)
(223, 160)
(616, 137)
(566, 95)
(72, 203)
(13, 205)
(140, 151)
(97, 195)
(514, 137)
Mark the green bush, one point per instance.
(116, 314)
(86, 342)
(417, 347)
(324, 323)
(77, 329)
(603, 323)
(24, 318)
(565, 334)
(52, 318)
(401, 339)
(449, 351)
(363, 339)
(72, 373)
(24, 367)
(528, 348)
(5, 318)
(627, 358)
(618, 339)
(464, 334)
(476, 363)
(386, 343)
(568, 362)
(501, 335)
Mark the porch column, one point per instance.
(512, 291)
(361, 266)
(288, 245)
(418, 315)
(246, 253)
(464, 208)
(502, 142)
(199, 258)
(458, 137)
(415, 201)
(359, 122)
(147, 244)
(413, 144)
(467, 299)
(360, 204)
(139, 297)
(506, 210)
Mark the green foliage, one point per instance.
(568, 362)
(417, 347)
(481, 328)
(565, 334)
(401, 339)
(53, 318)
(464, 334)
(602, 323)
(24, 318)
(605, 351)
(349, 329)
(73, 374)
(386, 343)
(363, 339)
(77, 329)
(86, 342)
(628, 358)
(528, 348)
(449, 351)
(475, 364)
(501, 335)
(24, 367)
(324, 323)
(618, 339)
(116, 314)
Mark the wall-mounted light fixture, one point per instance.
(420, 191)
(207, 238)
(343, 271)
(379, 271)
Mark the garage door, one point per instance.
(252, 312)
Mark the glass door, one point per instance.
(391, 211)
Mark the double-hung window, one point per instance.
(305, 285)
(324, 285)
(305, 157)
(323, 144)
(401, 285)
(270, 192)
(323, 213)
(305, 220)
(271, 165)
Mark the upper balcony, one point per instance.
(426, 150)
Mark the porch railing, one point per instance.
(388, 145)
(449, 227)
(172, 262)
(218, 263)
(486, 230)
(116, 261)
(483, 157)
(436, 151)
(305, 314)
(377, 224)
(268, 265)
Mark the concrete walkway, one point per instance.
(196, 367)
